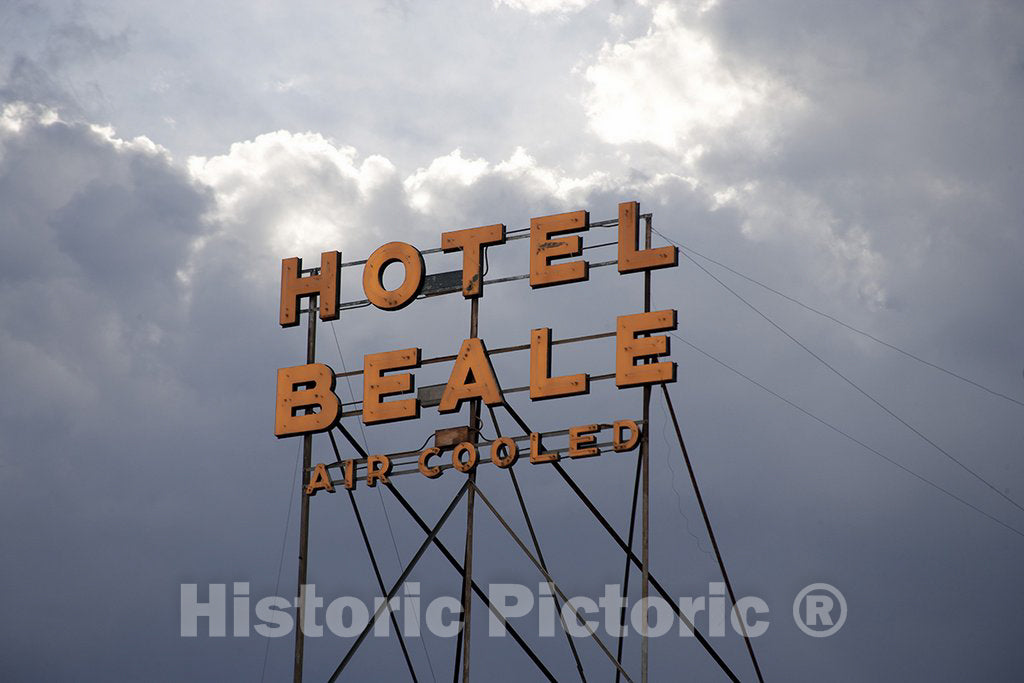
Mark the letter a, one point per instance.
(319, 480)
(472, 377)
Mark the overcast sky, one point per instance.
(158, 160)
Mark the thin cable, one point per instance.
(387, 518)
(536, 545)
(351, 394)
(284, 540)
(679, 497)
(844, 324)
(853, 384)
(711, 532)
(373, 563)
(839, 431)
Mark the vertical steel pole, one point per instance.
(467, 593)
(307, 464)
(645, 458)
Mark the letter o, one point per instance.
(470, 462)
(373, 275)
(511, 452)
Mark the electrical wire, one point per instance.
(387, 518)
(284, 540)
(679, 497)
(839, 431)
(848, 326)
(853, 384)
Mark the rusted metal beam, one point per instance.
(645, 488)
(626, 572)
(375, 566)
(547, 577)
(517, 234)
(513, 390)
(398, 584)
(495, 352)
(307, 464)
(411, 511)
(536, 547)
(360, 303)
(589, 504)
(467, 579)
(711, 532)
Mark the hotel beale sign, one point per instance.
(307, 402)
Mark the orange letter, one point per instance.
(472, 241)
(425, 469)
(373, 275)
(377, 469)
(536, 456)
(634, 435)
(630, 348)
(472, 377)
(542, 384)
(293, 287)
(631, 258)
(581, 441)
(543, 248)
(511, 452)
(319, 480)
(376, 385)
(291, 399)
(470, 461)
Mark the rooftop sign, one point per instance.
(306, 399)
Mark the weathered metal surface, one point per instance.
(430, 395)
(451, 436)
(472, 378)
(377, 385)
(631, 258)
(307, 461)
(542, 384)
(472, 242)
(373, 273)
(442, 283)
(326, 283)
(629, 348)
(318, 382)
(544, 246)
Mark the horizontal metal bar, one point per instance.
(481, 442)
(593, 378)
(495, 352)
(360, 303)
(486, 460)
(509, 237)
(520, 389)
(444, 467)
(405, 457)
(517, 234)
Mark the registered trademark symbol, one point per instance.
(819, 610)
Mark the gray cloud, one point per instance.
(139, 307)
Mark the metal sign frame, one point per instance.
(453, 282)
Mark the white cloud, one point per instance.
(293, 193)
(671, 87)
(545, 6)
(838, 253)
(452, 168)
